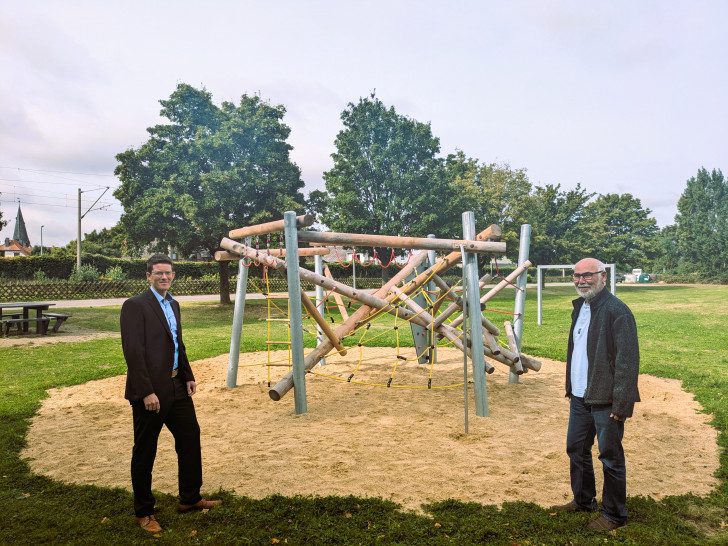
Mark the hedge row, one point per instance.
(63, 290)
(61, 267)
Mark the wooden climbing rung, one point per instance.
(277, 320)
(276, 296)
(278, 342)
(278, 364)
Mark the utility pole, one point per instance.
(80, 216)
(78, 238)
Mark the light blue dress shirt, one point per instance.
(166, 304)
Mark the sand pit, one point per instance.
(407, 445)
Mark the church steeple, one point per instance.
(20, 234)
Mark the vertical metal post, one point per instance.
(470, 270)
(319, 270)
(539, 291)
(353, 268)
(613, 282)
(295, 315)
(431, 257)
(238, 314)
(465, 340)
(520, 304)
(78, 238)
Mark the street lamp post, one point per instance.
(41, 240)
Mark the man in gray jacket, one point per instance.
(601, 383)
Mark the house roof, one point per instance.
(15, 246)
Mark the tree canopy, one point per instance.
(702, 224)
(386, 177)
(208, 170)
(559, 232)
(620, 231)
(497, 194)
(109, 242)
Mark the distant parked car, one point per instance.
(619, 277)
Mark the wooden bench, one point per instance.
(7, 323)
(60, 319)
(8, 316)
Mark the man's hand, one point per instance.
(191, 388)
(151, 403)
(616, 417)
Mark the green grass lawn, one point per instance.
(683, 334)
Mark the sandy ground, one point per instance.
(404, 444)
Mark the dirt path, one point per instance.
(403, 444)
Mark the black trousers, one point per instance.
(180, 418)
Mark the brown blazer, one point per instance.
(149, 348)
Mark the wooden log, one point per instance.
(321, 321)
(304, 220)
(493, 231)
(337, 297)
(517, 367)
(388, 241)
(508, 280)
(224, 256)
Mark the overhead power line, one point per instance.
(57, 172)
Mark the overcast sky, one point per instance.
(619, 96)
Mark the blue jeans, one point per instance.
(586, 423)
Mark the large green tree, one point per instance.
(560, 233)
(702, 224)
(386, 178)
(668, 253)
(207, 170)
(496, 193)
(620, 231)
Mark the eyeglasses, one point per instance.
(587, 276)
(163, 273)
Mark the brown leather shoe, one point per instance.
(149, 524)
(603, 524)
(569, 507)
(202, 504)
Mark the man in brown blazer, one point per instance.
(159, 387)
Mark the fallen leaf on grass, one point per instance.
(274, 541)
(104, 520)
(347, 515)
(193, 532)
(437, 525)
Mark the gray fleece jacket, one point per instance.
(613, 354)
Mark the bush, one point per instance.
(40, 276)
(115, 273)
(85, 274)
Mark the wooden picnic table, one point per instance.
(26, 307)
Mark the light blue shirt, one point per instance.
(579, 360)
(166, 304)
